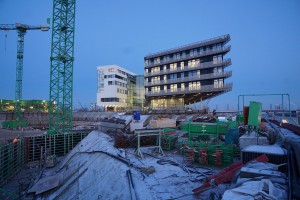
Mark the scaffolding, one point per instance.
(14, 155)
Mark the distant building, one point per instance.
(119, 89)
(187, 74)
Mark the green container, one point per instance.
(14, 124)
(254, 118)
(197, 130)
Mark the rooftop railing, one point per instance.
(222, 37)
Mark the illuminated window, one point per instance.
(173, 87)
(182, 86)
(182, 65)
(173, 66)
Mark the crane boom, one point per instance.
(21, 28)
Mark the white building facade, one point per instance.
(113, 84)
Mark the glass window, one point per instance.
(173, 87)
(220, 83)
(165, 67)
(173, 66)
(220, 58)
(216, 84)
(182, 86)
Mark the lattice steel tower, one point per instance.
(61, 71)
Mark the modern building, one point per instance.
(187, 74)
(119, 89)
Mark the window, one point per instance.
(165, 67)
(173, 87)
(146, 63)
(111, 69)
(110, 83)
(182, 86)
(193, 63)
(156, 60)
(165, 58)
(215, 70)
(194, 85)
(155, 79)
(201, 50)
(215, 60)
(220, 58)
(156, 89)
(191, 53)
(221, 83)
(178, 56)
(195, 52)
(173, 66)
(216, 84)
(193, 73)
(183, 55)
(172, 76)
(182, 65)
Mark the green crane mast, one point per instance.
(21, 28)
(61, 70)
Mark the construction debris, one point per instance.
(162, 123)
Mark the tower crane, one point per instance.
(22, 29)
(61, 69)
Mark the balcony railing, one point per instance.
(188, 56)
(201, 89)
(187, 79)
(204, 65)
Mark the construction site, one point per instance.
(165, 143)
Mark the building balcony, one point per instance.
(189, 79)
(222, 50)
(202, 89)
(225, 62)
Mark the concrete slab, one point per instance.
(252, 139)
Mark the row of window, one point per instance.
(219, 83)
(117, 83)
(180, 55)
(113, 99)
(189, 74)
(115, 76)
(121, 91)
(121, 72)
(173, 87)
(181, 65)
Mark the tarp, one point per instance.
(263, 189)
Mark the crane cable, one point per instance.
(5, 31)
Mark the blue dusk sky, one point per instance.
(265, 42)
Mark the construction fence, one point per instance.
(14, 155)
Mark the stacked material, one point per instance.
(162, 123)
